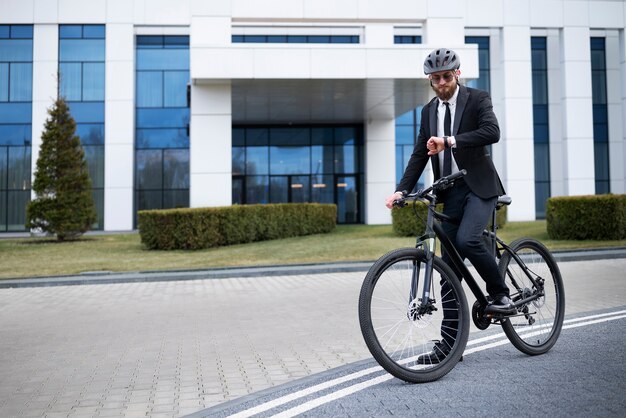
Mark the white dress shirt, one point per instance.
(441, 114)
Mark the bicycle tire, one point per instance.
(384, 299)
(538, 324)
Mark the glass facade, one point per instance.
(81, 83)
(483, 82)
(600, 116)
(282, 164)
(16, 80)
(407, 39)
(162, 122)
(541, 127)
(296, 39)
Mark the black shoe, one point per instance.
(440, 351)
(501, 305)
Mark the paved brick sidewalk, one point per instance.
(172, 348)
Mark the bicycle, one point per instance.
(401, 317)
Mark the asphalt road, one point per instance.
(582, 376)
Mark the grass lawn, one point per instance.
(31, 257)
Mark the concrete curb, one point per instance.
(104, 277)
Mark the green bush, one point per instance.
(597, 217)
(406, 224)
(197, 228)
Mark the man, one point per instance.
(456, 128)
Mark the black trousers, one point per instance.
(473, 213)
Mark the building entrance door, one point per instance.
(346, 190)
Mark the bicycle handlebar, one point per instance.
(441, 184)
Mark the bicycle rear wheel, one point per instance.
(399, 330)
(538, 325)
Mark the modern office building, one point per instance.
(192, 103)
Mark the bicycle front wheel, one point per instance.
(415, 340)
(536, 327)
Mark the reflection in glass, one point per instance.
(279, 193)
(290, 160)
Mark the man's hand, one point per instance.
(390, 199)
(435, 145)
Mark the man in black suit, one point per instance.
(456, 128)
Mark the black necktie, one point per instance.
(447, 153)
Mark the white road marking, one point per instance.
(314, 403)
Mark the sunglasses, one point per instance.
(447, 77)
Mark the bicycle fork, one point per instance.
(425, 304)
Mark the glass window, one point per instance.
(239, 161)
(239, 137)
(70, 31)
(290, 160)
(175, 199)
(149, 89)
(19, 168)
(94, 155)
(405, 134)
(322, 189)
(257, 137)
(5, 31)
(149, 199)
(4, 164)
(279, 192)
(16, 202)
(20, 87)
(162, 118)
(83, 50)
(162, 138)
(149, 169)
(257, 160)
(4, 82)
(299, 189)
(93, 81)
(346, 160)
(175, 88)
(257, 189)
(90, 133)
(162, 59)
(176, 169)
(84, 112)
(15, 134)
(322, 159)
(93, 31)
(289, 136)
(16, 50)
(71, 80)
(15, 113)
(322, 136)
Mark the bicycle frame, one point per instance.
(427, 242)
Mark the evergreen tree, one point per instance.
(64, 205)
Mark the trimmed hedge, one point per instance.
(596, 217)
(197, 228)
(405, 224)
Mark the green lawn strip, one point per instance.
(32, 257)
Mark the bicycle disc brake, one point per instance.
(417, 309)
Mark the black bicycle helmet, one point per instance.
(441, 59)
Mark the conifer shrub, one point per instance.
(63, 205)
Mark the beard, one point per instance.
(446, 92)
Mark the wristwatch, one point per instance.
(446, 144)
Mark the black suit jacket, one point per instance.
(475, 126)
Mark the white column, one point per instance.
(578, 162)
(380, 160)
(444, 26)
(210, 148)
(516, 123)
(119, 122)
(555, 114)
(45, 67)
(615, 72)
(622, 47)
